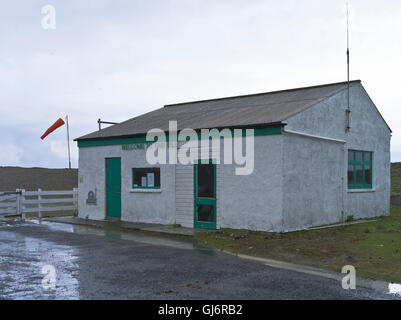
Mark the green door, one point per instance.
(205, 195)
(113, 187)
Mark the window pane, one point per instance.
(157, 177)
(359, 175)
(350, 155)
(146, 177)
(205, 181)
(350, 174)
(153, 177)
(205, 213)
(367, 156)
(140, 178)
(358, 156)
(368, 175)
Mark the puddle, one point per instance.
(22, 263)
(25, 260)
(124, 235)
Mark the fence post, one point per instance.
(18, 202)
(23, 213)
(75, 200)
(39, 203)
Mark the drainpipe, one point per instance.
(344, 184)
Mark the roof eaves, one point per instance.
(248, 126)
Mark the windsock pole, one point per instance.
(68, 142)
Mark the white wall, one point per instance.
(253, 202)
(313, 184)
(91, 176)
(368, 133)
(149, 206)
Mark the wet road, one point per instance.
(91, 263)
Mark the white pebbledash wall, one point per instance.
(242, 202)
(246, 202)
(254, 201)
(299, 178)
(139, 205)
(330, 197)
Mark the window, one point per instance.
(146, 178)
(360, 169)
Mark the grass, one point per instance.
(350, 218)
(373, 248)
(396, 179)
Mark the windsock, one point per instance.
(54, 126)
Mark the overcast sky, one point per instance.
(117, 59)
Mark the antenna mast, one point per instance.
(348, 104)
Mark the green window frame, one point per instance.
(360, 169)
(140, 175)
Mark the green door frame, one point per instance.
(113, 187)
(205, 201)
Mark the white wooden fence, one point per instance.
(21, 202)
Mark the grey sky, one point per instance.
(118, 59)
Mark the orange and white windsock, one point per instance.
(53, 127)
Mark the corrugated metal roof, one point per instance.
(255, 109)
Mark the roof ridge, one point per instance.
(261, 93)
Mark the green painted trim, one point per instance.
(268, 131)
(362, 163)
(205, 201)
(111, 142)
(146, 168)
(271, 130)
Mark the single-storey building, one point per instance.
(315, 161)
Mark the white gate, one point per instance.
(9, 202)
(21, 202)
